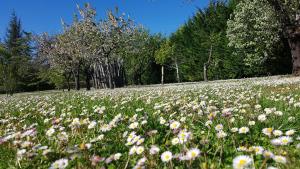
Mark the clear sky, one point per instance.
(39, 16)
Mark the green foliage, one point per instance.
(17, 71)
(192, 43)
(54, 76)
(139, 58)
(164, 52)
(254, 32)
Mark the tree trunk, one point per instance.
(68, 81)
(294, 42)
(87, 79)
(207, 64)
(205, 72)
(162, 74)
(77, 79)
(177, 70)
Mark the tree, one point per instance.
(92, 46)
(260, 27)
(7, 71)
(17, 59)
(192, 43)
(289, 16)
(254, 33)
(162, 55)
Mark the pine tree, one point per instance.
(17, 45)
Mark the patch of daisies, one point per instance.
(232, 124)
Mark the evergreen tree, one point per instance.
(17, 44)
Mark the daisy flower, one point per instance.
(267, 131)
(133, 125)
(242, 162)
(193, 153)
(262, 117)
(219, 127)
(280, 159)
(154, 150)
(59, 164)
(221, 134)
(140, 149)
(174, 125)
(277, 133)
(290, 132)
(175, 141)
(243, 130)
(166, 156)
(234, 129)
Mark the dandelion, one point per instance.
(242, 162)
(166, 156)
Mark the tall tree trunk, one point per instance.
(162, 74)
(206, 65)
(291, 27)
(68, 80)
(177, 70)
(87, 79)
(294, 42)
(77, 79)
(205, 72)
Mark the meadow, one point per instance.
(249, 123)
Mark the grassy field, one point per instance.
(249, 123)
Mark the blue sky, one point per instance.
(39, 16)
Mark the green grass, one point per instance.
(183, 103)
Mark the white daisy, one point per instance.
(242, 162)
(166, 156)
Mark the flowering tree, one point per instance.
(91, 46)
(254, 31)
(257, 25)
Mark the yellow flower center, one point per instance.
(167, 157)
(242, 162)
